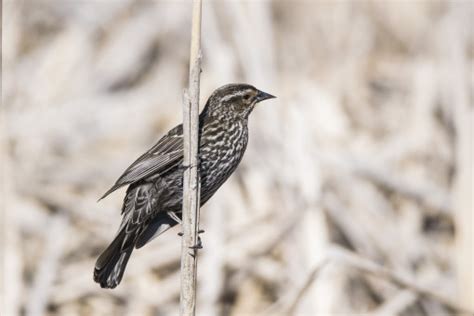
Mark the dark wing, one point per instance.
(165, 154)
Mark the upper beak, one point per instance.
(264, 96)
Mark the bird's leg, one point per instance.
(174, 217)
(177, 219)
(198, 245)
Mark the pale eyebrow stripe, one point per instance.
(237, 93)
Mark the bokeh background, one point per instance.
(355, 194)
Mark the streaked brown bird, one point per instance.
(153, 201)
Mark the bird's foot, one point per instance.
(201, 231)
(198, 245)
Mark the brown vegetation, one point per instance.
(355, 195)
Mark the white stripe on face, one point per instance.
(235, 94)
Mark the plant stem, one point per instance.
(191, 181)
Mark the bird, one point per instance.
(153, 200)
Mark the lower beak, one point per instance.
(264, 96)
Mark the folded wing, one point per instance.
(167, 153)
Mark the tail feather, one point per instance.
(110, 265)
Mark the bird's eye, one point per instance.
(246, 97)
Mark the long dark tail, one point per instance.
(110, 265)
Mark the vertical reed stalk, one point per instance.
(191, 181)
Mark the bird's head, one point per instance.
(235, 100)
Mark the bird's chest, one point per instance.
(221, 153)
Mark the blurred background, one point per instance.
(354, 196)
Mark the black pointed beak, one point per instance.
(264, 96)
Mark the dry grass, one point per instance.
(368, 148)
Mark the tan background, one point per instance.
(367, 149)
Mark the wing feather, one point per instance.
(165, 154)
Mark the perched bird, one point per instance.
(155, 180)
